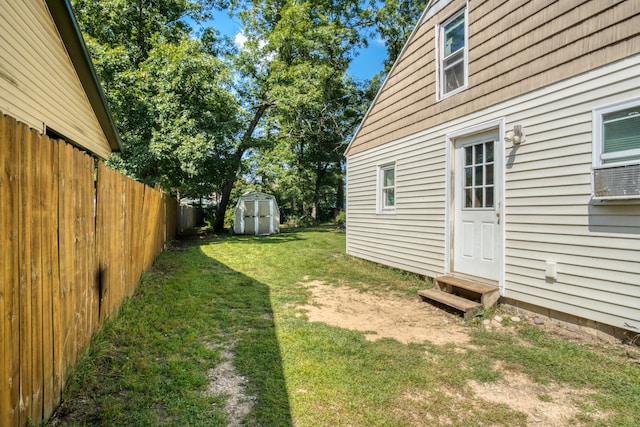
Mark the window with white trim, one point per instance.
(452, 67)
(617, 134)
(616, 151)
(387, 188)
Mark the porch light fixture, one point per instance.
(516, 135)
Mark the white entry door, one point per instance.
(477, 234)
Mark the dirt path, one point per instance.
(225, 381)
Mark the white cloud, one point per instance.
(240, 39)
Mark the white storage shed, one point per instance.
(257, 214)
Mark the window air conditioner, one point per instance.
(616, 182)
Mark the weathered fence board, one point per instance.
(5, 286)
(36, 272)
(24, 242)
(67, 255)
(74, 241)
(9, 272)
(51, 284)
(104, 198)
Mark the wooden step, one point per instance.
(467, 307)
(485, 294)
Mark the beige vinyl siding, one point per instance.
(38, 83)
(514, 48)
(548, 212)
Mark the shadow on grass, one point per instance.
(285, 237)
(241, 315)
(287, 234)
(164, 359)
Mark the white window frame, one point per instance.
(439, 37)
(382, 208)
(598, 143)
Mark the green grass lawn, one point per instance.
(240, 295)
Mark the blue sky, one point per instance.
(369, 61)
(363, 67)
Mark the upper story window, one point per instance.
(387, 188)
(453, 54)
(617, 134)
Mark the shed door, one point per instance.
(249, 216)
(265, 216)
(477, 234)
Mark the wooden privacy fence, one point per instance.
(74, 240)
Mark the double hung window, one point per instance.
(616, 151)
(387, 188)
(617, 134)
(453, 52)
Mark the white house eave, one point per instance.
(67, 25)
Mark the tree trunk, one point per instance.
(230, 181)
(221, 208)
(340, 190)
(316, 192)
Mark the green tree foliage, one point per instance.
(394, 22)
(133, 25)
(314, 105)
(197, 114)
(304, 50)
(170, 94)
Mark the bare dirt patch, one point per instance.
(544, 404)
(413, 321)
(383, 316)
(550, 405)
(224, 381)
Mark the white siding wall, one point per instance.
(413, 238)
(38, 83)
(548, 210)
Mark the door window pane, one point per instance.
(489, 152)
(468, 177)
(479, 176)
(488, 197)
(477, 202)
(468, 156)
(479, 156)
(488, 171)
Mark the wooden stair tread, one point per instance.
(479, 288)
(450, 300)
(460, 294)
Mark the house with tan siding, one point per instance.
(47, 79)
(503, 149)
